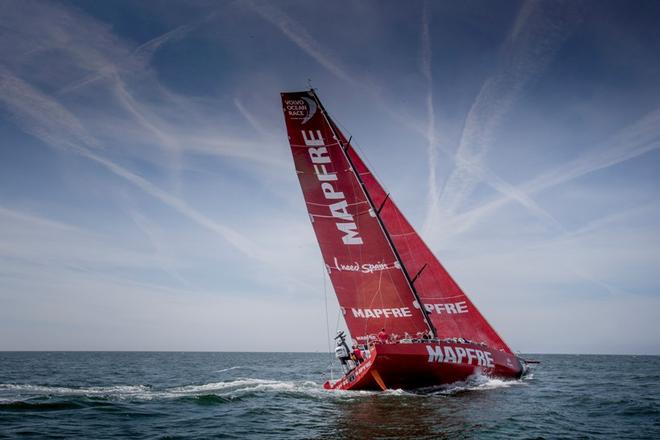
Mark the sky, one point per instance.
(148, 199)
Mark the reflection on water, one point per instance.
(401, 415)
(465, 410)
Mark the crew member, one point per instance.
(342, 352)
(357, 355)
(383, 337)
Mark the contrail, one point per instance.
(536, 36)
(634, 141)
(25, 217)
(48, 120)
(251, 119)
(143, 52)
(299, 36)
(426, 67)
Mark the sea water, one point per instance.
(100, 395)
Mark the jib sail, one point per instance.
(450, 310)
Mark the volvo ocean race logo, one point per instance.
(303, 108)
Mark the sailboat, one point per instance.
(409, 319)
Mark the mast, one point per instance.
(376, 212)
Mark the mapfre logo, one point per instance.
(303, 108)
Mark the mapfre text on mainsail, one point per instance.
(318, 153)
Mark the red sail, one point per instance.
(450, 310)
(372, 289)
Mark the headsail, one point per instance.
(449, 308)
(372, 289)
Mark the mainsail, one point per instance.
(384, 275)
(370, 284)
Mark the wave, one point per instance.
(123, 390)
(226, 391)
(224, 370)
(477, 382)
(236, 385)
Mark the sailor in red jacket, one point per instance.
(383, 337)
(357, 355)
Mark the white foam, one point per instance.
(117, 390)
(396, 392)
(231, 389)
(224, 370)
(240, 387)
(233, 385)
(476, 382)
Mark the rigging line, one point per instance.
(327, 320)
(361, 152)
(337, 323)
(382, 205)
(332, 359)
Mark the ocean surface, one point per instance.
(100, 395)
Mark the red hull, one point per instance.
(418, 365)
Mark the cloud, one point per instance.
(83, 51)
(641, 137)
(182, 202)
(104, 123)
(427, 73)
(26, 104)
(54, 125)
(29, 241)
(58, 312)
(187, 136)
(297, 34)
(538, 32)
(161, 247)
(36, 220)
(138, 60)
(251, 118)
(74, 44)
